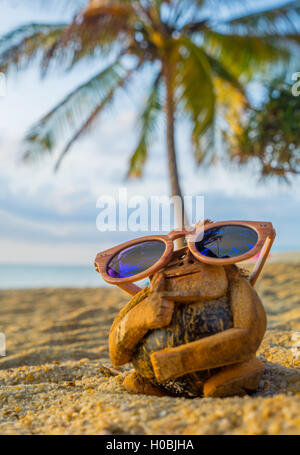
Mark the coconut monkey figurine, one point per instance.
(196, 329)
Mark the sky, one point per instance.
(51, 218)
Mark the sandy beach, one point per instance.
(57, 378)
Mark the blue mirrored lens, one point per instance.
(135, 259)
(227, 241)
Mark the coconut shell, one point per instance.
(190, 322)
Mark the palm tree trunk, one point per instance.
(181, 218)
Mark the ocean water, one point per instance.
(49, 276)
(77, 276)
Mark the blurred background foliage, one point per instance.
(271, 133)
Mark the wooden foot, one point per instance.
(238, 379)
(134, 383)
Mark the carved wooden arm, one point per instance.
(142, 313)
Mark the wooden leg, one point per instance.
(134, 383)
(238, 379)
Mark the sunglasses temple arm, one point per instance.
(262, 258)
(131, 288)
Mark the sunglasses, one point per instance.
(220, 243)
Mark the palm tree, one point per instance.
(202, 53)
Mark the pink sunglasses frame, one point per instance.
(265, 231)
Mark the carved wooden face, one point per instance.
(188, 279)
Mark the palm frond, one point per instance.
(287, 39)
(148, 123)
(273, 21)
(20, 46)
(183, 11)
(71, 114)
(219, 70)
(232, 106)
(113, 8)
(244, 55)
(93, 30)
(205, 151)
(88, 123)
(194, 78)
